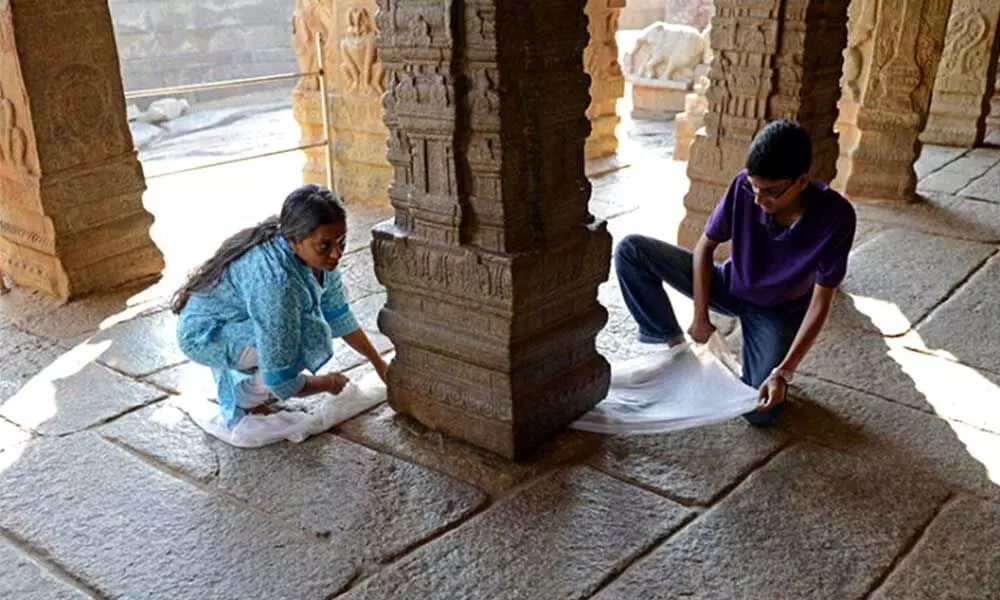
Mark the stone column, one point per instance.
(607, 82)
(889, 71)
(773, 60)
(492, 261)
(71, 214)
(355, 83)
(966, 77)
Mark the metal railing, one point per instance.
(230, 83)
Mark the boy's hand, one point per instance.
(771, 394)
(701, 330)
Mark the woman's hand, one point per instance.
(334, 383)
(382, 368)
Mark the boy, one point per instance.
(790, 240)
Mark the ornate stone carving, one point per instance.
(966, 75)
(71, 214)
(691, 120)
(663, 67)
(762, 72)
(359, 59)
(607, 82)
(490, 269)
(888, 98)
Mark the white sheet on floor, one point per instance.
(684, 387)
(296, 422)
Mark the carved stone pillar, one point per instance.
(773, 60)
(492, 261)
(607, 82)
(889, 71)
(71, 214)
(355, 83)
(966, 76)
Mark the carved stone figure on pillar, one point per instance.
(359, 59)
(663, 67)
(607, 82)
(691, 120)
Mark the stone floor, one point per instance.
(882, 481)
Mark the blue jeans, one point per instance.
(643, 264)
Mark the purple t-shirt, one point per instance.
(770, 264)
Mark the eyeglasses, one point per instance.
(766, 194)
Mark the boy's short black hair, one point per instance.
(782, 150)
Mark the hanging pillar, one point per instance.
(966, 76)
(71, 214)
(773, 60)
(889, 72)
(492, 261)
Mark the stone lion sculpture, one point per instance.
(669, 52)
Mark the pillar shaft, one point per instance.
(71, 214)
(966, 76)
(607, 82)
(492, 261)
(773, 60)
(890, 67)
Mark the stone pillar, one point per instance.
(355, 83)
(993, 119)
(691, 120)
(966, 77)
(773, 60)
(492, 261)
(607, 82)
(71, 214)
(889, 71)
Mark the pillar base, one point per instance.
(494, 349)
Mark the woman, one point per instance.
(266, 307)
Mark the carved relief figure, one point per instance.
(13, 140)
(360, 66)
(439, 89)
(420, 30)
(487, 99)
(306, 22)
(668, 52)
(406, 89)
(860, 32)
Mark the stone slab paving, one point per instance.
(966, 325)
(11, 435)
(694, 466)
(959, 174)
(66, 397)
(956, 558)
(141, 346)
(21, 303)
(186, 378)
(360, 220)
(358, 272)
(911, 271)
(938, 214)
(888, 368)
(986, 187)
(132, 531)
(370, 504)
(933, 158)
(776, 537)
(25, 579)
(22, 356)
(75, 322)
(960, 456)
(560, 538)
(387, 431)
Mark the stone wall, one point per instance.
(174, 42)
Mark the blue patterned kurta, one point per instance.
(268, 299)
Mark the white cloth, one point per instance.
(678, 388)
(305, 417)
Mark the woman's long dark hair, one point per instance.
(304, 210)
